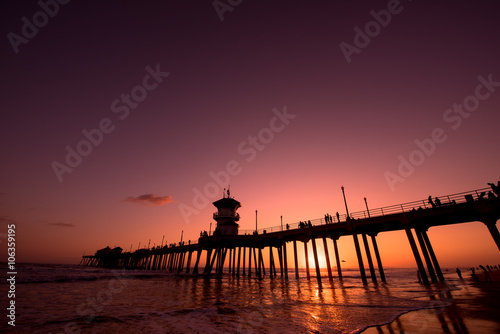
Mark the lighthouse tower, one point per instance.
(226, 216)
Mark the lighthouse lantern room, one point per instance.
(226, 216)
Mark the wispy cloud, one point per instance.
(149, 200)
(62, 224)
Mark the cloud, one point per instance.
(149, 200)
(62, 224)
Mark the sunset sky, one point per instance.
(285, 102)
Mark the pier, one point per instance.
(242, 252)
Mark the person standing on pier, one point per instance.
(431, 202)
(495, 188)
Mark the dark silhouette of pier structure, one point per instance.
(238, 252)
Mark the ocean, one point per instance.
(77, 299)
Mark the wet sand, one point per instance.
(475, 309)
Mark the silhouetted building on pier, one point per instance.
(226, 216)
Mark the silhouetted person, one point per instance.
(474, 276)
(459, 273)
(431, 202)
(419, 277)
(481, 195)
(287, 226)
(495, 188)
(491, 195)
(309, 223)
(486, 274)
(437, 201)
(338, 218)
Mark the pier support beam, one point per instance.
(427, 258)
(337, 258)
(492, 227)
(285, 261)
(271, 262)
(307, 260)
(369, 258)
(327, 257)
(208, 261)
(250, 262)
(316, 262)
(244, 258)
(433, 256)
(239, 258)
(280, 258)
(261, 262)
(418, 260)
(360, 258)
(379, 260)
(234, 261)
(188, 264)
(257, 264)
(295, 259)
(198, 255)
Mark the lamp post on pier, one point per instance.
(256, 221)
(368, 211)
(345, 202)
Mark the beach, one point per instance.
(76, 299)
(475, 309)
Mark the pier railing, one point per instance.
(445, 200)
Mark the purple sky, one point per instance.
(348, 122)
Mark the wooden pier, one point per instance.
(240, 253)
